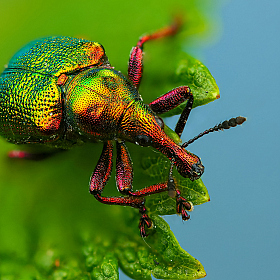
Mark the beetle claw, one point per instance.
(145, 221)
(182, 206)
(185, 215)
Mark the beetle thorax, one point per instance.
(95, 102)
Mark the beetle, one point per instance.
(62, 91)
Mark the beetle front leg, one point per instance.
(124, 170)
(124, 179)
(124, 176)
(163, 104)
(135, 65)
(182, 205)
(100, 178)
(103, 170)
(172, 99)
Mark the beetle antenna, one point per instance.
(171, 184)
(224, 125)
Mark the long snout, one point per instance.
(188, 164)
(140, 126)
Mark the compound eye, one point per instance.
(160, 122)
(143, 140)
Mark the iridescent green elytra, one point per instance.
(31, 96)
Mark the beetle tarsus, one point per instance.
(145, 221)
(182, 206)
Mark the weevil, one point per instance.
(62, 91)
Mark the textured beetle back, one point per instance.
(29, 114)
(57, 55)
(31, 102)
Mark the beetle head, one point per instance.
(139, 125)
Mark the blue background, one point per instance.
(236, 234)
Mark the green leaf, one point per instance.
(100, 260)
(161, 254)
(193, 73)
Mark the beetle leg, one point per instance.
(103, 169)
(124, 178)
(129, 201)
(163, 104)
(172, 99)
(124, 175)
(182, 205)
(135, 65)
(184, 117)
(31, 156)
(157, 188)
(101, 176)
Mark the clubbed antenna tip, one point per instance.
(224, 125)
(231, 123)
